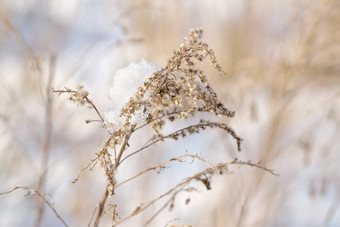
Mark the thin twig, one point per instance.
(88, 101)
(123, 147)
(34, 191)
(158, 212)
(196, 176)
(196, 129)
(101, 205)
(171, 199)
(163, 163)
(94, 211)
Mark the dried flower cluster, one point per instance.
(177, 91)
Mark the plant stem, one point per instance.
(101, 208)
(46, 149)
(123, 148)
(117, 162)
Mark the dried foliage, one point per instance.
(282, 61)
(178, 91)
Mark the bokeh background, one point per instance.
(282, 60)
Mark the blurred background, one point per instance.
(282, 60)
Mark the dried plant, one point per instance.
(177, 91)
(282, 61)
(180, 90)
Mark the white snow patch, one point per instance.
(126, 81)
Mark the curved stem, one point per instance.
(36, 192)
